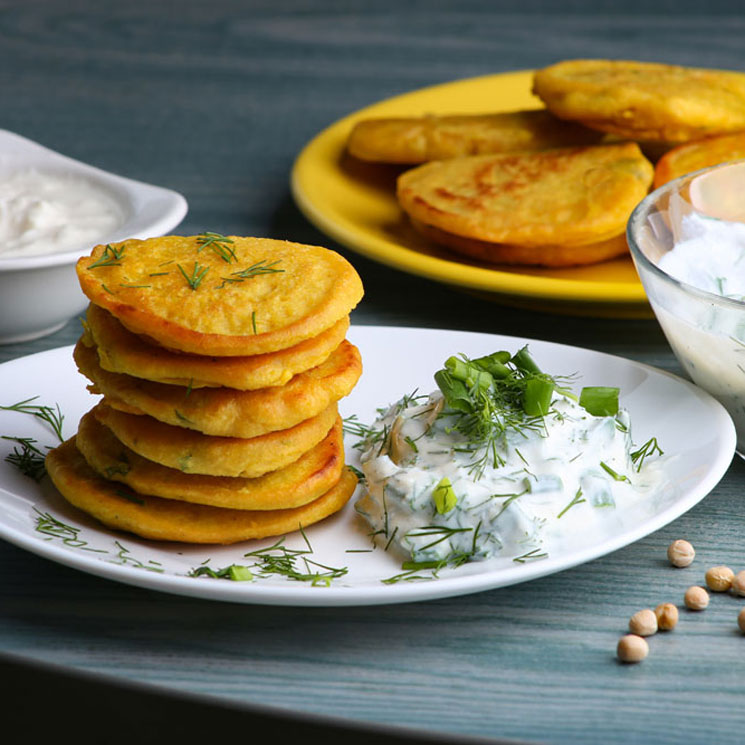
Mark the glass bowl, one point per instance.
(694, 290)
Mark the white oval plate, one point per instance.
(149, 210)
(694, 430)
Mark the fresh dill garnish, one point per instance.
(576, 499)
(356, 471)
(492, 396)
(536, 553)
(111, 257)
(255, 270)
(218, 244)
(650, 447)
(280, 560)
(253, 321)
(29, 460)
(52, 416)
(197, 274)
(50, 526)
(613, 474)
(125, 557)
(133, 286)
(442, 533)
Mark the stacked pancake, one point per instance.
(220, 361)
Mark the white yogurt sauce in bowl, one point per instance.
(43, 212)
(687, 240)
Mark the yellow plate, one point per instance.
(355, 204)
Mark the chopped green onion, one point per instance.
(444, 497)
(599, 400)
(537, 396)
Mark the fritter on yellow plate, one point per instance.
(562, 197)
(644, 100)
(699, 154)
(304, 480)
(221, 295)
(168, 520)
(224, 411)
(420, 139)
(193, 452)
(505, 253)
(121, 351)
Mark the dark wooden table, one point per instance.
(215, 100)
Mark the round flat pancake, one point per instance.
(193, 452)
(561, 197)
(500, 253)
(223, 411)
(121, 351)
(421, 139)
(644, 100)
(229, 297)
(168, 520)
(299, 483)
(693, 156)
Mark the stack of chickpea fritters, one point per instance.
(220, 361)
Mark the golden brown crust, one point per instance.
(121, 351)
(191, 298)
(644, 100)
(193, 452)
(223, 411)
(563, 197)
(698, 154)
(169, 520)
(410, 140)
(296, 484)
(549, 256)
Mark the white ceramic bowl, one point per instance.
(39, 294)
(705, 329)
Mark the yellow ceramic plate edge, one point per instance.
(316, 164)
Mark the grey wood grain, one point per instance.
(215, 100)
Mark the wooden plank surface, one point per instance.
(215, 100)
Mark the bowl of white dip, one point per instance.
(687, 240)
(53, 210)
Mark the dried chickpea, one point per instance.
(643, 623)
(741, 620)
(738, 583)
(667, 616)
(696, 598)
(632, 648)
(719, 579)
(680, 553)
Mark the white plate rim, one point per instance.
(297, 594)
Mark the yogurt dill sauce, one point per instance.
(708, 338)
(501, 461)
(44, 213)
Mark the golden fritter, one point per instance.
(223, 411)
(698, 154)
(121, 351)
(169, 520)
(193, 452)
(221, 295)
(644, 100)
(412, 140)
(299, 483)
(549, 256)
(561, 197)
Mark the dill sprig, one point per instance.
(492, 396)
(234, 572)
(197, 274)
(218, 244)
(111, 257)
(50, 526)
(649, 448)
(52, 416)
(29, 460)
(255, 270)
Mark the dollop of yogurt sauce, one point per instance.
(436, 497)
(43, 213)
